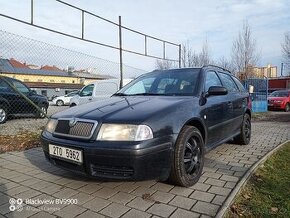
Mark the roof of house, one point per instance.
(16, 68)
(50, 68)
(17, 64)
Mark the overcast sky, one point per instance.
(189, 21)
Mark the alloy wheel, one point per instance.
(2, 115)
(192, 157)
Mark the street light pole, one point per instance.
(282, 66)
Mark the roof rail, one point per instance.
(212, 65)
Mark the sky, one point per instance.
(183, 21)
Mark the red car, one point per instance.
(279, 100)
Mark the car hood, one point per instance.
(277, 98)
(134, 109)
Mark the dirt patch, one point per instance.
(271, 116)
(19, 142)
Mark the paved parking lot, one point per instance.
(27, 175)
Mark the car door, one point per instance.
(86, 93)
(234, 103)
(214, 111)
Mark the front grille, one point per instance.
(81, 129)
(111, 171)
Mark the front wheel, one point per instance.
(188, 158)
(287, 107)
(245, 133)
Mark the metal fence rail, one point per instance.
(46, 70)
(120, 28)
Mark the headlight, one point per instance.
(50, 126)
(124, 132)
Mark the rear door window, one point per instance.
(239, 84)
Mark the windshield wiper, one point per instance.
(119, 94)
(146, 94)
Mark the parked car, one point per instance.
(279, 100)
(98, 90)
(159, 126)
(65, 99)
(12, 103)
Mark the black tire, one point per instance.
(59, 103)
(3, 114)
(188, 158)
(72, 105)
(244, 137)
(287, 107)
(42, 114)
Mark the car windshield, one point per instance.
(169, 82)
(279, 94)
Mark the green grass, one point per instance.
(267, 193)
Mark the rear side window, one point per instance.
(239, 84)
(228, 82)
(211, 80)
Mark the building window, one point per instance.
(26, 80)
(52, 81)
(39, 80)
(73, 81)
(62, 81)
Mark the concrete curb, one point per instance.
(243, 180)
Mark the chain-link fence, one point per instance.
(38, 79)
(258, 88)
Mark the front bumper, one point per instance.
(276, 106)
(116, 160)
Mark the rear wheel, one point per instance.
(3, 114)
(43, 112)
(59, 103)
(245, 133)
(188, 160)
(287, 107)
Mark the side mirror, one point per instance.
(217, 90)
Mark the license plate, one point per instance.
(66, 153)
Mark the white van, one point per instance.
(98, 90)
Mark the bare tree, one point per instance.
(204, 55)
(286, 50)
(244, 51)
(226, 64)
(164, 65)
(191, 58)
